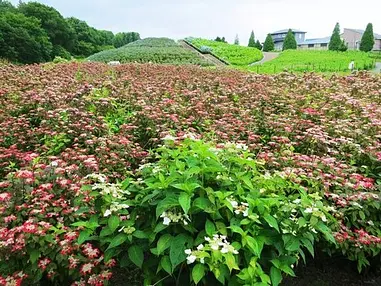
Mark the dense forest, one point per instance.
(33, 33)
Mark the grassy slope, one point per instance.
(155, 50)
(234, 54)
(319, 61)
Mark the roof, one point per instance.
(284, 31)
(316, 41)
(376, 36)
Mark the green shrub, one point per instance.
(206, 49)
(201, 213)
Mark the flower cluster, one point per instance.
(240, 208)
(172, 217)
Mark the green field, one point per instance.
(154, 50)
(317, 61)
(233, 54)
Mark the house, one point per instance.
(279, 36)
(353, 38)
(315, 44)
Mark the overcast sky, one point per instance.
(210, 18)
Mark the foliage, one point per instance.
(318, 61)
(154, 50)
(218, 39)
(343, 46)
(206, 210)
(258, 45)
(122, 39)
(367, 40)
(306, 133)
(268, 45)
(22, 40)
(290, 41)
(233, 54)
(69, 37)
(335, 41)
(52, 22)
(252, 40)
(88, 40)
(206, 50)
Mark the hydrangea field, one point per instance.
(199, 176)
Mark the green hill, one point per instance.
(154, 50)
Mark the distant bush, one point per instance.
(206, 49)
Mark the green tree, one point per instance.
(122, 39)
(23, 40)
(335, 43)
(343, 46)
(251, 40)
(6, 6)
(52, 22)
(268, 45)
(223, 40)
(218, 39)
(258, 45)
(367, 40)
(236, 40)
(290, 41)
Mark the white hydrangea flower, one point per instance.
(107, 213)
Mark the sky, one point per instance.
(178, 19)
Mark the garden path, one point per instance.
(267, 56)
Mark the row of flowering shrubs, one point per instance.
(103, 167)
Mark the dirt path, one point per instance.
(377, 69)
(267, 56)
(207, 57)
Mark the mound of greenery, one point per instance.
(154, 50)
(154, 43)
(234, 54)
(318, 61)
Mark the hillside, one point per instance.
(151, 50)
(233, 54)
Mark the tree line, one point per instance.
(33, 32)
(335, 43)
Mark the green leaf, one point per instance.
(198, 272)
(34, 255)
(230, 262)
(185, 202)
(135, 253)
(292, 244)
(83, 236)
(271, 221)
(248, 183)
(203, 204)
(276, 276)
(140, 234)
(165, 262)
(169, 202)
(118, 240)
(113, 223)
(210, 228)
(164, 243)
(105, 232)
(253, 245)
(177, 250)
(308, 244)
